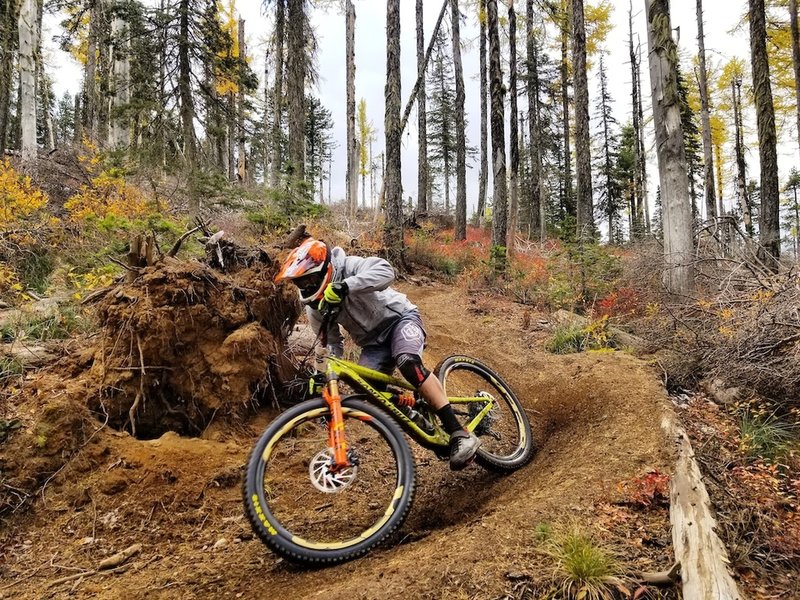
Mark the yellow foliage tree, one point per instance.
(226, 83)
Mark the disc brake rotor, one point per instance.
(326, 480)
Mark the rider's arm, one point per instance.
(367, 274)
(335, 339)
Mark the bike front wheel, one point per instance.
(310, 514)
(505, 431)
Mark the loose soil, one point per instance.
(473, 534)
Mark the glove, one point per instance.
(335, 293)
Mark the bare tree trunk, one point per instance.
(533, 123)
(705, 119)
(461, 141)
(795, 58)
(644, 206)
(422, 124)
(393, 229)
(103, 72)
(295, 85)
(185, 93)
(350, 69)
(741, 181)
(277, 97)
(230, 137)
(636, 212)
(583, 158)
(513, 221)
(77, 130)
(8, 35)
(371, 174)
(499, 207)
(484, 168)
(673, 172)
(267, 150)
(240, 131)
(27, 78)
(120, 130)
(569, 205)
(770, 232)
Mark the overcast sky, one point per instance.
(721, 43)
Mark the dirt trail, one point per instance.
(596, 422)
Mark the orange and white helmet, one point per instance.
(309, 267)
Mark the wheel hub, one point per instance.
(494, 414)
(325, 479)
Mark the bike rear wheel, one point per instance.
(310, 515)
(505, 432)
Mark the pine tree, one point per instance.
(319, 141)
(441, 107)
(692, 145)
(626, 172)
(607, 185)
(65, 120)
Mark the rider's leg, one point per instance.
(408, 341)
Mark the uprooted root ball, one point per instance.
(184, 343)
(180, 346)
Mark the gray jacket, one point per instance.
(370, 308)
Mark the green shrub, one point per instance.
(572, 337)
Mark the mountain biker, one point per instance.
(381, 320)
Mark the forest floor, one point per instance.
(596, 419)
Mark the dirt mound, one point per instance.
(469, 535)
(181, 345)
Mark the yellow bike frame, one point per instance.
(360, 377)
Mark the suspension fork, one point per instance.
(336, 437)
(330, 393)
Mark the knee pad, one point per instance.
(412, 369)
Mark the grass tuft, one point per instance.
(58, 325)
(766, 436)
(585, 569)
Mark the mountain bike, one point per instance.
(334, 476)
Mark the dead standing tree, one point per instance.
(673, 172)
